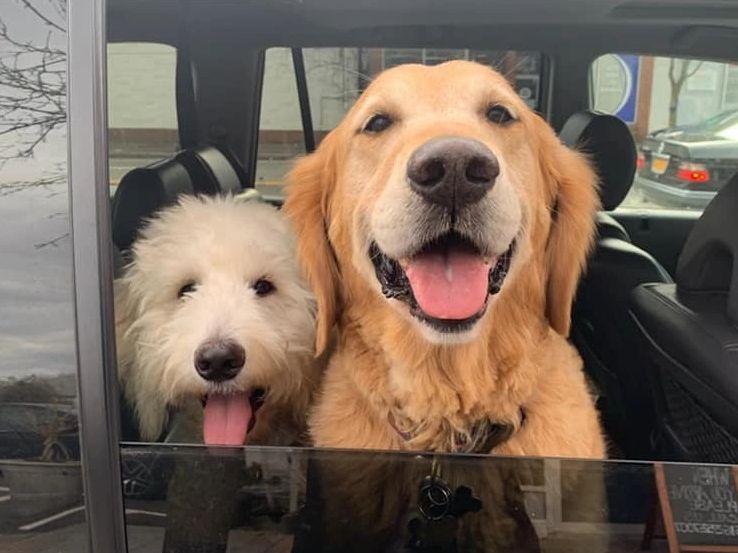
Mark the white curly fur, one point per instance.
(224, 245)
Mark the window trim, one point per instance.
(93, 275)
(303, 98)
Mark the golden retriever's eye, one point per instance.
(377, 123)
(187, 289)
(263, 287)
(499, 115)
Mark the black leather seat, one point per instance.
(610, 145)
(143, 191)
(602, 328)
(691, 335)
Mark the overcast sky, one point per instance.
(36, 315)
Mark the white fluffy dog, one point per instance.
(214, 320)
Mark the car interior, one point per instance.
(656, 316)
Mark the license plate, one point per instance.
(659, 164)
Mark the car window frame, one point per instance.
(90, 217)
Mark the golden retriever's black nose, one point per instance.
(452, 171)
(219, 361)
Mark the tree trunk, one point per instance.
(676, 89)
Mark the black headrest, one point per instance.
(709, 259)
(142, 192)
(610, 145)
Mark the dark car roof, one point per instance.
(707, 28)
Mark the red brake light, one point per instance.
(693, 172)
(640, 160)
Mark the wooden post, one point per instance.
(668, 517)
(643, 104)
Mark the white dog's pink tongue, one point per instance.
(449, 285)
(227, 418)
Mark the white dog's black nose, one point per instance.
(219, 361)
(452, 171)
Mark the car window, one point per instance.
(684, 117)
(307, 500)
(40, 469)
(335, 79)
(280, 128)
(142, 111)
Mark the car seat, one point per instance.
(602, 328)
(690, 331)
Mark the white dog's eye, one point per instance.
(263, 287)
(377, 123)
(499, 114)
(186, 289)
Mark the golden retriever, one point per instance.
(443, 228)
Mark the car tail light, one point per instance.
(693, 172)
(640, 161)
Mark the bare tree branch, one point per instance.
(27, 4)
(672, 74)
(53, 242)
(32, 87)
(677, 83)
(693, 72)
(48, 182)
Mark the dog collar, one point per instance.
(490, 434)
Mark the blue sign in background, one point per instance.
(627, 108)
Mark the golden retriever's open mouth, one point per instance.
(229, 417)
(447, 283)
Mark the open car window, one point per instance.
(142, 111)
(684, 117)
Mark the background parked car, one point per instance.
(22, 430)
(685, 166)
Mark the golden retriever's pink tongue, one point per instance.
(227, 418)
(451, 285)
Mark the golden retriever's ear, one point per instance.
(574, 204)
(309, 187)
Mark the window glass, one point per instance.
(335, 78)
(280, 127)
(272, 499)
(41, 501)
(142, 112)
(684, 118)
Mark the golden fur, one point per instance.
(518, 355)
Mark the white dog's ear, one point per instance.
(574, 203)
(124, 317)
(151, 416)
(309, 188)
(125, 341)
